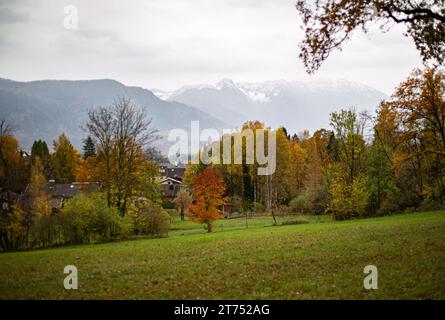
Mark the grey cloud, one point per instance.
(8, 15)
(96, 33)
(258, 3)
(176, 41)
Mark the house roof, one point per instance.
(61, 189)
(172, 172)
(174, 181)
(70, 189)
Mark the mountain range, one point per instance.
(44, 109)
(295, 105)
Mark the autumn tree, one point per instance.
(250, 179)
(37, 207)
(349, 128)
(37, 181)
(420, 146)
(348, 200)
(208, 192)
(297, 168)
(347, 181)
(281, 177)
(183, 200)
(100, 126)
(191, 171)
(14, 175)
(88, 170)
(13, 170)
(421, 101)
(148, 181)
(64, 160)
(131, 133)
(242, 178)
(121, 132)
(318, 158)
(328, 24)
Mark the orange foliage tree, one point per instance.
(208, 191)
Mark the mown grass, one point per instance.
(187, 227)
(315, 260)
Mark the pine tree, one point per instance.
(40, 149)
(89, 150)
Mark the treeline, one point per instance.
(116, 156)
(363, 165)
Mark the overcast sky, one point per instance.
(165, 44)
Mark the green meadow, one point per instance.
(246, 259)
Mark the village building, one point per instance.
(59, 193)
(171, 180)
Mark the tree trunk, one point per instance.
(274, 218)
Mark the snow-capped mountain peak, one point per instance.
(294, 104)
(225, 84)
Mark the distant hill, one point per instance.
(294, 104)
(44, 109)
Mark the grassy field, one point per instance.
(180, 228)
(322, 259)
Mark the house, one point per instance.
(26, 157)
(171, 180)
(59, 193)
(170, 187)
(175, 172)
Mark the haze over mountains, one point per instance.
(293, 104)
(44, 109)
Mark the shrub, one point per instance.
(151, 219)
(86, 218)
(167, 204)
(257, 207)
(429, 204)
(295, 221)
(173, 214)
(45, 228)
(235, 215)
(317, 198)
(237, 203)
(298, 204)
(283, 210)
(388, 206)
(348, 200)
